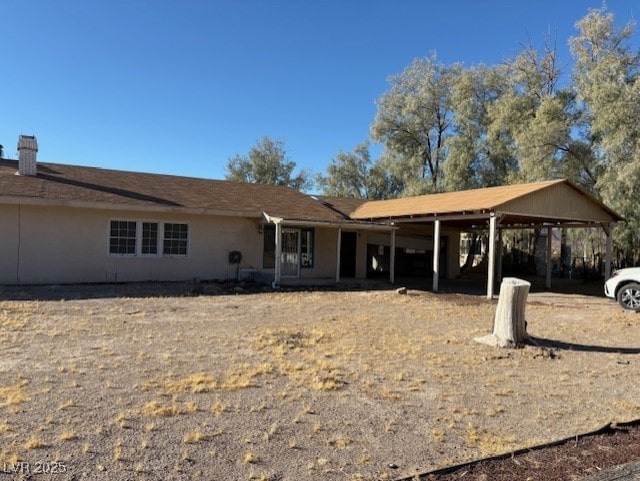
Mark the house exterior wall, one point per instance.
(9, 219)
(324, 266)
(44, 244)
(558, 201)
(57, 244)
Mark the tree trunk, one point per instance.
(473, 247)
(509, 325)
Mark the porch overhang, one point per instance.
(377, 226)
(281, 222)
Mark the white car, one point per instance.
(624, 286)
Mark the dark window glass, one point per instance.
(269, 247)
(306, 248)
(149, 238)
(122, 239)
(175, 239)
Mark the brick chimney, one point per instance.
(27, 148)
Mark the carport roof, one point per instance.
(548, 202)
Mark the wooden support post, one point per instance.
(608, 249)
(392, 260)
(509, 326)
(549, 252)
(278, 260)
(492, 256)
(436, 254)
(338, 252)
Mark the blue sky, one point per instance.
(179, 87)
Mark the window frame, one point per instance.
(110, 237)
(163, 238)
(139, 239)
(141, 230)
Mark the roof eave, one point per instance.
(17, 200)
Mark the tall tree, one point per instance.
(477, 159)
(267, 163)
(353, 174)
(532, 116)
(607, 82)
(414, 121)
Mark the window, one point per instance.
(175, 239)
(269, 247)
(307, 241)
(122, 237)
(150, 238)
(306, 247)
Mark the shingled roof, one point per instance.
(553, 200)
(550, 201)
(95, 187)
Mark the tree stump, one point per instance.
(509, 326)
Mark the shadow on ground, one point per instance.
(570, 346)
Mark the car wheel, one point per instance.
(629, 296)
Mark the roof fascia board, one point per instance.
(568, 225)
(556, 218)
(317, 223)
(442, 218)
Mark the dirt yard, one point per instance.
(358, 385)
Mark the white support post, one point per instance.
(392, 260)
(338, 252)
(549, 252)
(436, 254)
(492, 256)
(608, 250)
(278, 259)
(499, 261)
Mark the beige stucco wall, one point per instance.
(324, 265)
(63, 245)
(53, 244)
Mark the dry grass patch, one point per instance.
(67, 435)
(154, 408)
(13, 395)
(34, 442)
(195, 383)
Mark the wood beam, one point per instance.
(548, 258)
(278, 259)
(338, 252)
(392, 260)
(608, 249)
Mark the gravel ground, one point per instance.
(297, 385)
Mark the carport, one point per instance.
(540, 205)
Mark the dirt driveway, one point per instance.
(299, 385)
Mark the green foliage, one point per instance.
(414, 121)
(352, 174)
(607, 83)
(477, 157)
(267, 163)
